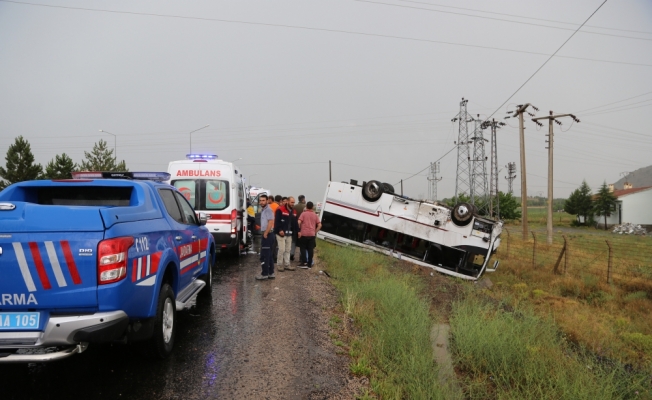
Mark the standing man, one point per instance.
(286, 225)
(267, 241)
(309, 225)
(275, 204)
(299, 209)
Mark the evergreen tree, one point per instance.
(605, 203)
(580, 203)
(571, 205)
(101, 159)
(60, 167)
(509, 207)
(19, 164)
(585, 202)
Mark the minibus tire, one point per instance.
(372, 191)
(387, 188)
(462, 214)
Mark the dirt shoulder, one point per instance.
(290, 353)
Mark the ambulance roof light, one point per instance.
(150, 176)
(196, 156)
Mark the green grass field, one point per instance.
(507, 343)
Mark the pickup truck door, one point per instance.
(189, 239)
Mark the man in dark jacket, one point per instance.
(301, 205)
(285, 226)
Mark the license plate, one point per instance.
(14, 320)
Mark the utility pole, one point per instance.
(432, 181)
(330, 172)
(463, 178)
(479, 170)
(494, 197)
(520, 109)
(511, 175)
(551, 118)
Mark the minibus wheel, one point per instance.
(463, 214)
(387, 188)
(372, 191)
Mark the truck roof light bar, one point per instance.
(198, 156)
(151, 176)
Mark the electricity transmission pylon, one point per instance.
(463, 177)
(511, 175)
(479, 169)
(494, 198)
(432, 181)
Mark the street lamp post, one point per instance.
(206, 126)
(115, 147)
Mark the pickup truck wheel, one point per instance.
(372, 191)
(462, 214)
(162, 341)
(207, 291)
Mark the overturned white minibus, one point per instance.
(453, 241)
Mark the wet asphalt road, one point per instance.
(200, 367)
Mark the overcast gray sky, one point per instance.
(288, 85)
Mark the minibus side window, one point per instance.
(344, 227)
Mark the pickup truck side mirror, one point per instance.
(203, 218)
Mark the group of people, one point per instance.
(283, 224)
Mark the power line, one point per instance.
(500, 19)
(525, 17)
(549, 58)
(615, 102)
(439, 159)
(620, 108)
(325, 30)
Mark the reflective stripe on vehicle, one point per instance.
(40, 265)
(24, 269)
(143, 267)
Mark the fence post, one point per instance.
(609, 262)
(534, 248)
(561, 254)
(507, 255)
(565, 254)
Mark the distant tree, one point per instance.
(604, 203)
(461, 198)
(60, 167)
(509, 206)
(19, 164)
(580, 203)
(571, 205)
(101, 159)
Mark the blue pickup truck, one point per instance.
(103, 257)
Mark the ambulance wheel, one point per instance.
(235, 250)
(387, 188)
(161, 343)
(463, 214)
(372, 191)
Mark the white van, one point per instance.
(217, 188)
(454, 241)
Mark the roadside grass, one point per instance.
(534, 335)
(538, 216)
(393, 348)
(610, 319)
(516, 354)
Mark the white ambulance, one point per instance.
(217, 188)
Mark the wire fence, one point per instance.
(615, 259)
